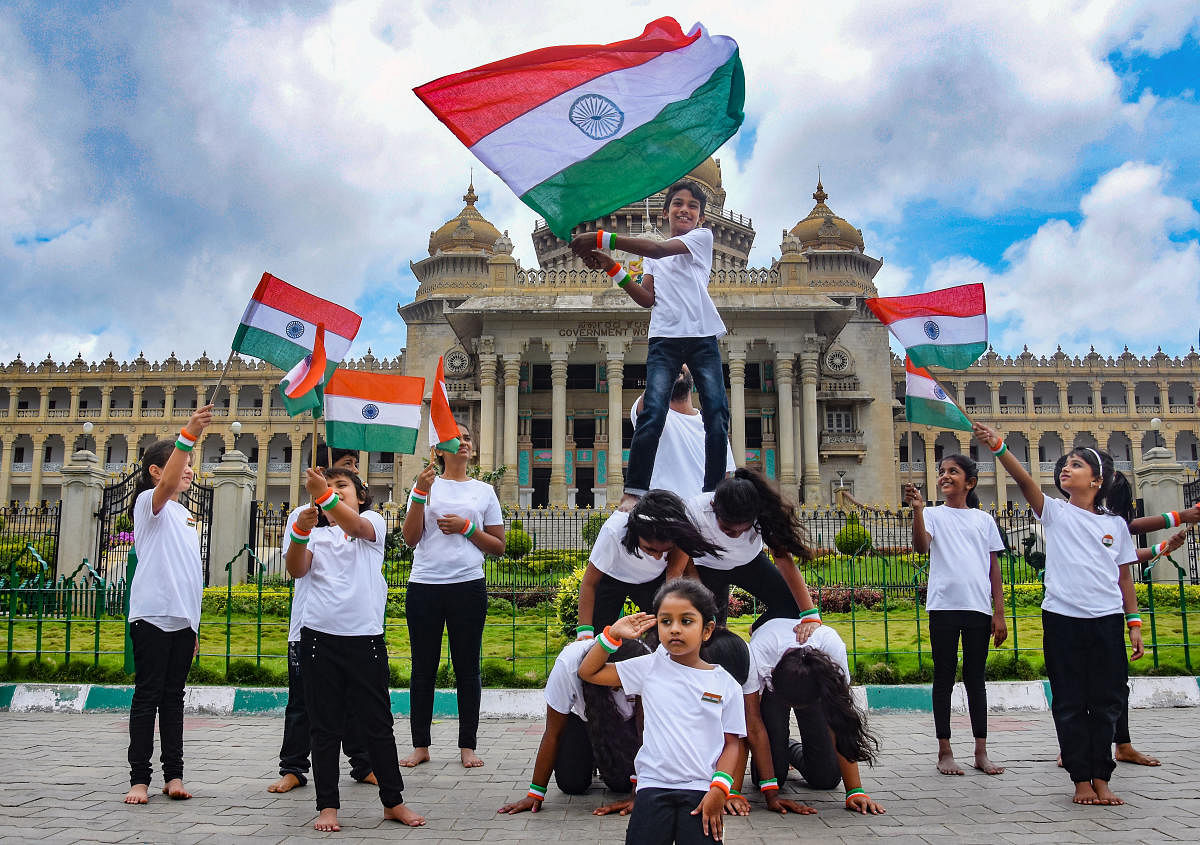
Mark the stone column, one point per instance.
(43, 402)
(296, 486)
(1001, 486)
(137, 400)
(168, 404)
(74, 412)
(1163, 398)
(487, 411)
(615, 369)
(512, 379)
(1097, 402)
(798, 416)
(1029, 398)
(35, 478)
(234, 389)
(558, 423)
(82, 489)
(14, 394)
(784, 361)
(105, 400)
(264, 454)
(1131, 398)
(6, 460)
(809, 358)
(233, 488)
(1062, 397)
(266, 395)
(930, 468)
(994, 387)
(737, 400)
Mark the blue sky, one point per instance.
(158, 157)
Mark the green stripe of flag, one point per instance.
(951, 357)
(269, 347)
(683, 135)
(370, 438)
(937, 414)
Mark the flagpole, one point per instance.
(213, 395)
(315, 436)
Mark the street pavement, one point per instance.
(62, 777)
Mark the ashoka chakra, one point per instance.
(596, 116)
(932, 330)
(294, 329)
(370, 411)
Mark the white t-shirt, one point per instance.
(736, 551)
(1084, 552)
(679, 461)
(682, 306)
(687, 713)
(777, 637)
(960, 558)
(452, 558)
(564, 687)
(347, 593)
(169, 581)
(299, 585)
(609, 555)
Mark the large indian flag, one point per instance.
(372, 412)
(925, 403)
(579, 131)
(945, 328)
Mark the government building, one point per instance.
(543, 364)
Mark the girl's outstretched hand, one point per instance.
(622, 808)
(1176, 540)
(425, 477)
(862, 803)
(200, 419)
(783, 806)
(737, 805)
(986, 435)
(527, 803)
(307, 518)
(1190, 515)
(913, 497)
(315, 483)
(712, 813)
(633, 625)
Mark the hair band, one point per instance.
(1099, 460)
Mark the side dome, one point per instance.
(467, 231)
(822, 229)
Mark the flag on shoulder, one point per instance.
(301, 386)
(944, 328)
(579, 131)
(925, 403)
(373, 412)
(443, 428)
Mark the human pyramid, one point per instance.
(666, 704)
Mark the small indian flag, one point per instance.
(373, 412)
(579, 131)
(301, 386)
(925, 403)
(443, 428)
(711, 698)
(944, 328)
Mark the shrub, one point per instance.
(501, 607)
(872, 671)
(247, 673)
(566, 603)
(591, 528)
(517, 542)
(840, 599)
(853, 538)
(123, 524)
(1005, 667)
(12, 548)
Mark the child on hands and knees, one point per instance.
(1088, 588)
(684, 329)
(693, 718)
(164, 608)
(966, 599)
(343, 653)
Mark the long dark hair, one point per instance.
(1106, 472)
(729, 651)
(806, 677)
(615, 739)
(691, 590)
(747, 497)
(970, 470)
(662, 516)
(156, 455)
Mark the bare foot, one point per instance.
(285, 784)
(1084, 794)
(1060, 760)
(370, 778)
(418, 756)
(327, 820)
(470, 759)
(627, 502)
(175, 791)
(985, 765)
(947, 765)
(138, 794)
(401, 813)
(1126, 753)
(1104, 795)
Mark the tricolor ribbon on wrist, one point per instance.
(585, 632)
(185, 442)
(1172, 519)
(468, 529)
(328, 500)
(723, 782)
(608, 640)
(538, 793)
(300, 535)
(850, 793)
(619, 275)
(768, 785)
(1133, 620)
(999, 450)
(418, 497)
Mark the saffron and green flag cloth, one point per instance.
(302, 383)
(280, 327)
(579, 131)
(925, 403)
(373, 412)
(944, 328)
(443, 428)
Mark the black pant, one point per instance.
(663, 816)
(293, 754)
(161, 660)
(574, 762)
(814, 756)
(460, 609)
(1089, 676)
(761, 579)
(1122, 734)
(340, 670)
(611, 594)
(945, 628)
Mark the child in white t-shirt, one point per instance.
(965, 599)
(1088, 588)
(694, 717)
(684, 329)
(343, 653)
(164, 608)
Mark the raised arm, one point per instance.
(298, 558)
(343, 514)
(595, 669)
(921, 538)
(172, 472)
(1032, 492)
(414, 517)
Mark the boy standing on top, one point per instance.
(684, 328)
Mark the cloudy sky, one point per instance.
(157, 157)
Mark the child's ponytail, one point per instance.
(156, 455)
(747, 497)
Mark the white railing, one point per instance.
(376, 466)
(1075, 410)
(89, 412)
(23, 466)
(52, 466)
(912, 466)
(1114, 409)
(1149, 409)
(1012, 410)
(1045, 409)
(153, 412)
(26, 413)
(120, 412)
(1184, 409)
(1124, 466)
(58, 413)
(278, 466)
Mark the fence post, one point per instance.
(130, 569)
(233, 491)
(82, 489)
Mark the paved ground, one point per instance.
(61, 778)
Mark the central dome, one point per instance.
(708, 174)
(467, 231)
(822, 229)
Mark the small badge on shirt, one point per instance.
(191, 521)
(1107, 540)
(711, 698)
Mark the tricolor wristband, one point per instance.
(607, 641)
(850, 793)
(585, 632)
(299, 535)
(328, 501)
(808, 615)
(1172, 519)
(619, 275)
(602, 236)
(468, 529)
(723, 782)
(768, 785)
(184, 442)
(1001, 449)
(1133, 620)
(538, 793)
(419, 497)
(1158, 549)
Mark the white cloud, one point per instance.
(1122, 275)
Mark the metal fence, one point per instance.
(873, 596)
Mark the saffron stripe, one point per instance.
(278, 294)
(376, 387)
(960, 301)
